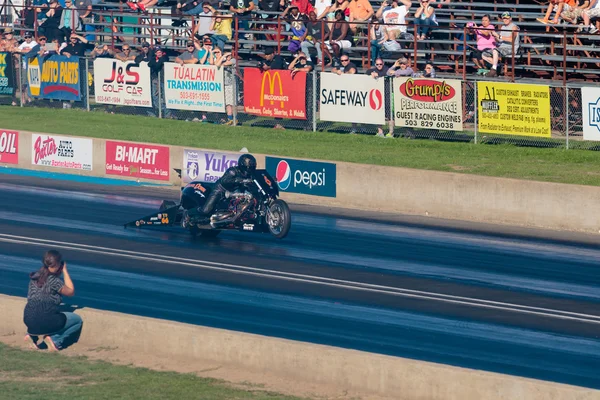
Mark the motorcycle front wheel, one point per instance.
(279, 219)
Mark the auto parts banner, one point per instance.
(54, 77)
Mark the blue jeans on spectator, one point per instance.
(70, 333)
(305, 45)
(194, 11)
(425, 25)
(219, 41)
(375, 50)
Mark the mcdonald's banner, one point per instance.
(7, 78)
(54, 77)
(194, 87)
(122, 83)
(275, 93)
(352, 98)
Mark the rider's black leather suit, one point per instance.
(231, 180)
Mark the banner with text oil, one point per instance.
(54, 77)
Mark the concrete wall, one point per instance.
(419, 192)
(390, 377)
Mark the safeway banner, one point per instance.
(194, 87)
(590, 104)
(54, 77)
(137, 160)
(9, 147)
(428, 103)
(275, 93)
(300, 176)
(7, 80)
(122, 83)
(206, 166)
(352, 98)
(61, 152)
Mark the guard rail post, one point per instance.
(315, 98)
(159, 94)
(476, 112)
(567, 116)
(234, 106)
(86, 85)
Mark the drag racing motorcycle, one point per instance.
(254, 208)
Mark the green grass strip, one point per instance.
(541, 164)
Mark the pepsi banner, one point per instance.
(7, 79)
(352, 98)
(54, 77)
(206, 166)
(306, 177)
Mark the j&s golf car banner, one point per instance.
(352, 98)
(513, 109)
(61, 152)
(55, 77)
(275, 93)
(9, 147)
(137, 160)
(300, 176)
(428, 103)
(194, 87)
(590, 104)
(7, 79)
(122, 83)
(206, 166)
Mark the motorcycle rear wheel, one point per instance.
(279, 220)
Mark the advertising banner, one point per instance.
(54, 77)
(590, 104)
(194, 87)
(428, 103)
(9, 147)
(137, 160)
(7, 77)
(275, 93)
(513, 109)
(352, 98)
(122, 83)
(206, 166)
(306, 177)
(61, 152)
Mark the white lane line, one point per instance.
(312, 279)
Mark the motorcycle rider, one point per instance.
(232, 179)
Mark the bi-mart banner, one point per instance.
(122, 83)
(54, 77)
(275, 93)
(194, 87)
(513, 109)
(137, 160)
(7, 78)
(352, 98)
(428, 103)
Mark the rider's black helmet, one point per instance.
(247, 164)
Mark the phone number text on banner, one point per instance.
(54, 77)
(352, 98)
(513, 109)
(122, 83)
(137, 160)
(194, 87)
(61, 152)
(428, 103)
(7, 80)
(275, 93)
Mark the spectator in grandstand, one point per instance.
(425, 19)
(360, 11)
(205, 49)
(340, 37)
(428, 72)
(27, 15)
(380, 71)
(394, 16)
(297, 26)
(486, 42)
(87, 17)
(156, 64)
(346, 66)
(271, 6)
(50, 27)
(78, 45)
(271, 60)
(42, 315)
(69, 20)
(591, 12)
(143, 5)
(322, 7)
(54, 47)
(102, 51)
(9, 43)
(558, 6)
(204, 20)
(145, 53)
(304, 6)
(221, 26)
(228, 61)
(508, 41)
(401, 68)
(314, 38)
(378, 35)
(300, 63)
(125, 54)
(341, 5)
(242, 9)
(28, 44)
(40, 8)
(188, 56)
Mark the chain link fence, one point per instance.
(565, 113)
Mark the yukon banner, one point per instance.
(428, 103)
(194, 87)
(54, 77)
(206, 166)
(306, 177)
(275, 93)
(122, 83)
(61, 152)
(590, 104)
(513, 109)
(9, 147)
(137, 160)
(7, 78)
(352, 98)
